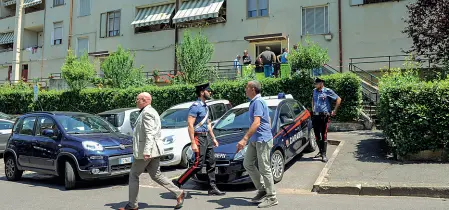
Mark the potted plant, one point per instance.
(156, 75)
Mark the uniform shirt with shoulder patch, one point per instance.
(322, 100)
(198, 110)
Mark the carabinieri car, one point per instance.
(71, 145)
(291, 128)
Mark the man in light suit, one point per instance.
(147, 146)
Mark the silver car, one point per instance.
(5, 132)
(123, 119)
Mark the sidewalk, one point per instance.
(363, 168)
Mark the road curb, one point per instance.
(319, 181)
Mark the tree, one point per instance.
(119, 69)
(428, 27)
(193, 55)
(308, 57)
(77, 72)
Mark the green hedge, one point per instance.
(414, 114)
(98, 100)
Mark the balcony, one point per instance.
(7, 24)
(6, 57)
(34, 21)
(31, 54)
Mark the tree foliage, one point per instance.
(193, 56)
(308, 56)
(77, 72)
(119, 70)
(428, 27)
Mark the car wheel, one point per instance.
(70, 176)
(312, 143)
(277, 166)
(11, 171)
(184, 160)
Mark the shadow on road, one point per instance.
(229, 202)
(141, 206)
(54, 182)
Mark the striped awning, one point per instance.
(153, 15)
(30, 3)
(7, 38)
(26, 3)
(197, 10)
(8, 2)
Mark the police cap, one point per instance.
(202, 87)
(318, 80)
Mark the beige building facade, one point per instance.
(151, 28)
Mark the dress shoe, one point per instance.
(180, 200)
(215, 191)
(128, 208)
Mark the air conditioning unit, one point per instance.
(356, 2)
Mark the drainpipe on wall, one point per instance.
(18, 41)
(71, 25)
(340, 48)
(176, 39)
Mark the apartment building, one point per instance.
(152, 28)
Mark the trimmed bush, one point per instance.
(98, 100)
(414, 114)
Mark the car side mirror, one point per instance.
(286, 121)
(49, 133)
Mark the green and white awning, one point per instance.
(8, 2)
(153, 15)
(197, 10)
(30, 3)
(26, 3)
(7, 38)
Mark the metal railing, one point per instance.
(365, 75)
(390, 59)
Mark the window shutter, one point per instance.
(263, 4)
(85, 7)
(103, 25)
(252, 5)
(319, 20)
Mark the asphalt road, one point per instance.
(36, 191)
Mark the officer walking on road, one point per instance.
(203, 140)
(321, 107)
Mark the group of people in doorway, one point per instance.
(147, 143)
(267, 62)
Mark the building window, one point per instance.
(83, 46)
(257, 8)
(110, 24)
(84, 9)
(57, 34)
(315, 20)
(361, 2)
(58, 2)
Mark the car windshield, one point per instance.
(85, 124)
(174, 118)
(238, 119)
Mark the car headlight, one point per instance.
(241, 154)
(169, 140)
(92, 146)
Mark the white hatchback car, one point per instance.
(174, 130)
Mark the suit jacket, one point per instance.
(147, 134)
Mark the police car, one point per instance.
(292, 132)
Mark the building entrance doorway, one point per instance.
(275, 47)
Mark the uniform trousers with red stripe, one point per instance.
(205, 156)
(320, 124)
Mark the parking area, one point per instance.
(299, 176)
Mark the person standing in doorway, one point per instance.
(268, 58)
(246, 58)
(258, 149)
(203, 140)
(321, 107)
(147, 149)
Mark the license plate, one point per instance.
(204, 171)
(126, 160)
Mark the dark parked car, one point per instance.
(68, 144)
(291, 128)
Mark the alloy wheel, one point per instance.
(277, 165)
(10, 168)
